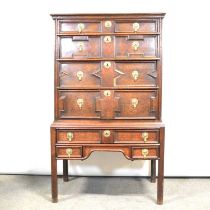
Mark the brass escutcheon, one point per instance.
(80, 75)
(106, 133)
(80, 27)
(144, 152)
(135, 45)
(107, 39)
(69, 136)
(69, 152)
(135, 75)
(107, 64)
(145, 136)
(136, 27)
(108, 24)
(80, 46)
(80, 102)
(134, 102)
(107, 93)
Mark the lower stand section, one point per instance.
(147, 151)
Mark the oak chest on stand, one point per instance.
(108, 85)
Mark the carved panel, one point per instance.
(79, 74)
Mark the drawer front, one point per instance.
(136, 74)
(135, 47)
(80, 26)
(136, 136)
(135, 26)
(145, 153)
(137, 104)
(80, 47)
(69, 152)
(78, 136)
(108, 104)
(79, 75)
(78, 104)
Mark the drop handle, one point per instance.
(69, 152)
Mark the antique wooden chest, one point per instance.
(108, 84)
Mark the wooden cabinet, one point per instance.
(108, 85)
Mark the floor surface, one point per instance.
(21, 192)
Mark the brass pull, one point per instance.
(107, 39)
(135, 45)
(69, 136)
(80, 27)
(106, 133)
(135, 75)
(80, 75)
(144, 152)
(108, 24)
(134, 102)
(69, 152)
(80, 102)
(107, 93)
(81, 46)
(107, 64)
(145, 136)
(136, 27)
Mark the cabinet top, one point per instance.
(109, 15)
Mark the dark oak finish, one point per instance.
(108, 90)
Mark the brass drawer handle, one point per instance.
(135, 45)
(69, 152)
(80, 102)
(108, 24)
(106, 133)
(135, 75)
(80, 27)
(107, 64)
(107, 39)
(134, 102)
(136, 26)
(107, 93)
(144, 152)
(80, 75)
(145, 136)
(70, 136)
(81, 46)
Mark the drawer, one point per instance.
(136, 136)
(80, 47)
(136, 74)
(78, 104)
(79, 74)
(135, 46)
(141, 104)
(108, 104)
(69, 152)
(145, 153)
(136, 26)
(80, 26)
(78, 136)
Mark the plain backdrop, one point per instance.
(26, 86)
